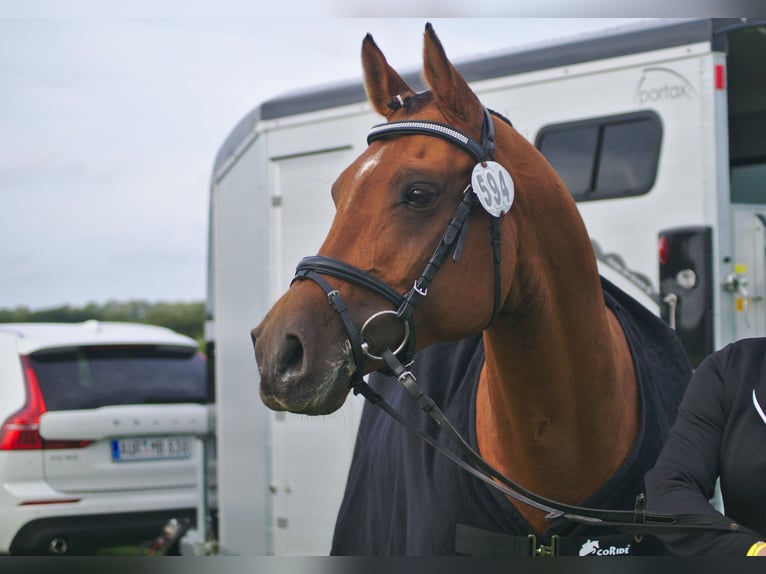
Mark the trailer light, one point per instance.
(49, 501)
(664, 250)
(720, 77)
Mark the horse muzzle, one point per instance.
(305, 365)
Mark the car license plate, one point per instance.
(150, 448)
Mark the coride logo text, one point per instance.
(593, 548)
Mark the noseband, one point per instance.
(314, 267)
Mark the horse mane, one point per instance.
(500, 116)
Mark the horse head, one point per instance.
(393, 205)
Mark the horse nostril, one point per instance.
(291, 355)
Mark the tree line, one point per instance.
(185, 318)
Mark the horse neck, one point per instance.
(557, 391)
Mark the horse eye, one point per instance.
(419, 197)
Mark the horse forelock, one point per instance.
(411, 104)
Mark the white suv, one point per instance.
(101, 434)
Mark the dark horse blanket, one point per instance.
(405, 498)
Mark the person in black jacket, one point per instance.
(720, 432)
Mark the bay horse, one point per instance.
(561, 382)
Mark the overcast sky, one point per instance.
(111, 124)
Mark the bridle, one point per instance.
(637, 522)
(452, 239)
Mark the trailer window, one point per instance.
(748, 183)
(607, 157)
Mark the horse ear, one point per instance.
(456, 99)
(382, 82)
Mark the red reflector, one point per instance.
(720, 77)
(60, 444)
(52, 501)
(664, 250)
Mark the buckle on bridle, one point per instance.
(422, 291)
(536, 550)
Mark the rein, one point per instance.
(637, 522)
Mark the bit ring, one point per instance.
(365, 345)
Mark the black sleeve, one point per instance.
(683, 479)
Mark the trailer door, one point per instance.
(746, 102)
(747, 282)
(310, 455)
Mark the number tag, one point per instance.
(493, 186)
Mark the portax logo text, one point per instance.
(663, 85)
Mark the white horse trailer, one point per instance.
(659, 133)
